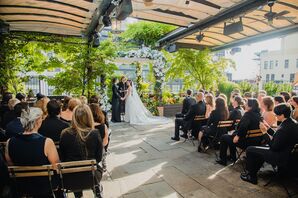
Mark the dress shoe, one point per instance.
(221, 162)
(249, 178)
(175, 138)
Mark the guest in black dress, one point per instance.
(4, 106)
(237, 112)
(116, 114)
(81, 141)
(32, 149)
(220, 113)
(10, 114)
(249, 121)
(52, 126)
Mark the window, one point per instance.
(297, 63)
(271, 64)
(292, 77)
(272, 77)
(287, 63)
(33, 84)
(266, 65)
(276, 63)
(282, 75)
(267, 77)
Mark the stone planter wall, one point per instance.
(170, 110)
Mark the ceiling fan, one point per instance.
(270, 16)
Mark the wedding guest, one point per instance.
(52, 126)
(210, 105)
(281, 143)
(39, 96)
(96, 100)
(83, 99)
(187, 103)
(260, 97)
(42, 104)
(237, 112)
(4, 104)
(15, 127)
(21, 97)
(247, 95)
(31, 148)
(294, 103)
(223, 96)
(10, 114)
(232, 96)
(286, 95)
(279, 100)
(67, 114)
(249, 121)
(82, 141)
(66, 100)
(220, 113)
(268, 114)
(5, 180)
(198, 109)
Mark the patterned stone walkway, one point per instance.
(145, 163)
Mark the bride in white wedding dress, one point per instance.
(135, 111)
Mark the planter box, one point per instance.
(170, 110)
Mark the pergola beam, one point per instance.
(229, 13)
(260, 37)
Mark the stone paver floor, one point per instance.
(144, 163)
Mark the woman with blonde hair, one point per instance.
(67, 114)
(42, 104)
(267, 105)
(81, 141)
(210, 105)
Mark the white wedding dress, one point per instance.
(137, 114)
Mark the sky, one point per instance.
(246, 67)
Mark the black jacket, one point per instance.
(249, 121)
(198, 109)
(116, 93)
(285, 137)
(214, 118)
(52, 127)
(121, 88)
(187, 103)
(236, 113)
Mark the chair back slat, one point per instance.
(78, 169)
(199, 118)
(225, 123)
(254, 133)
(31, 171)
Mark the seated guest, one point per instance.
(95, 99)
(249, 121)
(223, 96)
(31, 148)
(198, 109)
(4, 105)
(187, 103)
(281, 143)
(279, 100)
(99, 122)
(82, 141)
(83, 99)
(286, 95)
(21, 97)
(10, 114)
(4, 181)
(237, 112)
(210, 105)
(247, 95)
(260, 97)
(52, 126)
(42, 104)
(232, 96)
(66, 100)
(220, 113)
(67, 114)
(294, 103)
(15, 127)
(268, 104)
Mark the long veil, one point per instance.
(136, 113)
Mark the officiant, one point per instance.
(122, 87)
(116, 115)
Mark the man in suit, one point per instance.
(198, 109)
(116, 115)
(281, 143)
(187, 103)
(52, 126)
(122, 88)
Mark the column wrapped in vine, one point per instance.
(139, 78)
(104, 99)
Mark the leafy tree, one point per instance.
(245, 86)
(272, 88)
(196, 68)
(146, 33)
(227, 87)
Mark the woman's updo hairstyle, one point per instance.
(28, 118)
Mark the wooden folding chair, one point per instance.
(197, 120)
(77, 176)
(34, 180)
